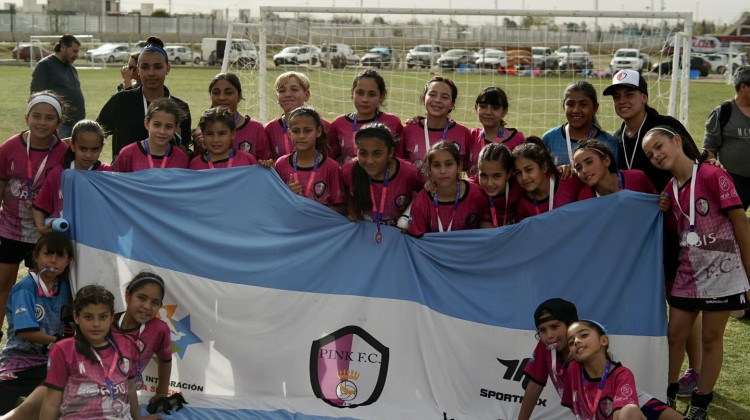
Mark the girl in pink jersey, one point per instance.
(455, 204)
(250, 137)
(544, 188)
(596, 166)
(292, 91)
(157, 151)
(495, 177)
(713, 263)
(217, 126)
(94, 360)
(86, 144)
(25, 161)
(368, 94)
(380, 186)
(439, 99)
(491, 106)
(309, 171)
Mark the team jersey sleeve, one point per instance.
(420, 215)
(57, 368)
(45, 200)
(624, 392)
(571, 376)
(333, 138)
(122, 161)
(712, 139)
(23, 310)
(536, 367)
(721, 186)
(336, 187)
(163, 347)
(4, 175)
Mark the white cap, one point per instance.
(628, 78)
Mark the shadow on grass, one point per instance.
(722, 408)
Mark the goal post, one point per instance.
(534, 90)
(40, 42)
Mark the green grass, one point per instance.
(535, 116)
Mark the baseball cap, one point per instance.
(558, 309)
(628, 78)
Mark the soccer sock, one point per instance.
(701, 400)
(672, 390)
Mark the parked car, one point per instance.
(423, 55)
(482, 51)
(23, 52)
(627, 58)
(299, 54)
(380, 57)
(696, 63)
(109, 53)
(242, 51)
(452, 59)
(492, 59)
(178, 55)
(544, 58)
(573, 56)
(338, 55)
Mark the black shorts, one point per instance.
(13, 252)
(653, 409)
(20, 386)
(725, 303)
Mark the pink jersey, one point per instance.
(133, 158)
(713, 268)
(50, 199)
(540, 366)
(326, 186)
(240, 158)
(566, 191)
(251, 138)
(510, 137)
(278, 139)
(82, 381)
(469, 210)
(413, 146)
(505, 211)
(632, 179)
(341, 134)
(151, 338)
(16, 220)
(403, 183)
(580, 391)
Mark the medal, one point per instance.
(378, 237)
(377, 212)
(28, 203)
(117, 406)
(139, 382)
(693, 239)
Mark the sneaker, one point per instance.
(696, 413)
(688, 382)
(672, 403)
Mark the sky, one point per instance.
(727, 12)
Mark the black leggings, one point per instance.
(24, 383)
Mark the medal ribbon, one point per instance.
(29, 180)
(620, 185)
(354, 131)
(229, 162)
(570, 146)
(499, 136)
(551, 196)
(377, 212)
(312, 176)
(691, 216)
(108, 376)
(427, 134)
(590, 406)
(286, 134)
(629, 163)
(455, 207)
(41, 287)
(138, 376)
(492, 207)
(151, 161)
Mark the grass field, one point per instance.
(732, 400)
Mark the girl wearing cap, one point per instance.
(25, 160)
(122, 116)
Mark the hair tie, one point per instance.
(45, 99)
(154, 47)
(601, 327)
(664, 129)
(137, 281)
(596, 150)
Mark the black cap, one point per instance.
(558, 309)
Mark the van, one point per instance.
(338, 55)
(242, 51)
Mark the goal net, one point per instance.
(541, 52)
(41, 43)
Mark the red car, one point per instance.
(21, 52)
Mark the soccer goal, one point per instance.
(737, 55)
(531, 54)
(46, 42)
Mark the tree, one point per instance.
(509, 23)
(529, 21)
(378, 20)
(160, 13)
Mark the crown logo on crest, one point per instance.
(350, 374)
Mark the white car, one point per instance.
(338, 55)
(179, 54)
(482, 52)
(627, 59)
(109, 53)
(492, 59)
(300, 54)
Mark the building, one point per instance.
(84, 7)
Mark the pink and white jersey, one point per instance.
(343, 129)
(251, 138)
(133, 158)
(326, 185)
(469, 211)
(16, 220)
(566, 191)
(83, 384)
(579, 393)
(150, 338)
(713, 268)
(632, 179)
(278, 139)
(413, 146)
(510, 137)
(240, 158)
(403, 183)
(50, 199)
(506, 213)
(539, 367)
